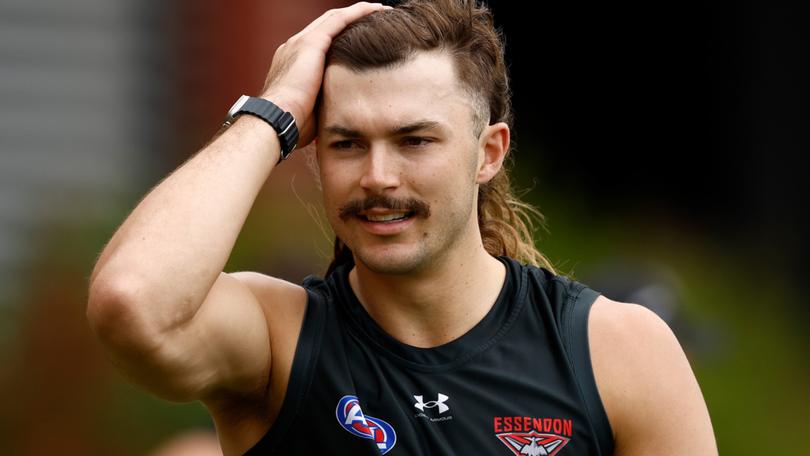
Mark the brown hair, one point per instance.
(465, 30)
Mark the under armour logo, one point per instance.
(420, 404)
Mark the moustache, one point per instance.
(415, 207)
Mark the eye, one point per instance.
(416, 141)
(347, 144)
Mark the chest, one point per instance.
(515, 396)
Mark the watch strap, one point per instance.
(281, 121)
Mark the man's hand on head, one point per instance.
(296, 73)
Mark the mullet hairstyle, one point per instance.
(465, 30)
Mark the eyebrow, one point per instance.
(399, 130)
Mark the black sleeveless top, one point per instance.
(519, 382)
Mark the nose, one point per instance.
(380, 171)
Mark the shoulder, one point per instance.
(613, 322)
(647, 386)
(266, 285)
(283, 302)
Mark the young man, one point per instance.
(427, 336)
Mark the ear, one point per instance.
(493, 144)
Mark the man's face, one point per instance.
(398, 162)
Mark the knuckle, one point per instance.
(341, 13)
(316, 40)
(294, 40)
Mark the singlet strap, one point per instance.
(301, 373)
(578, 306)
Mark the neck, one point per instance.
(434, 306)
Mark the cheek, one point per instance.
(332, 201)
(328, 190)
(446, 187)
(336, 188)
(332, 176)
(458, 174)
(331, 208)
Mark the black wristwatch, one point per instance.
(281, 121)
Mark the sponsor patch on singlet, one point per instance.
(352, 419)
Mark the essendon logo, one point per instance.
(527, 423)
(525, 435)
(532, 443)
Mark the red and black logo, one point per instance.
(525, 435)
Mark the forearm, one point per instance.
(159, 266)
(167, 254)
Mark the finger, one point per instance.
(335, 20)
(363, 7)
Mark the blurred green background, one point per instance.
(661, 145)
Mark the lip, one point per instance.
(385, 228)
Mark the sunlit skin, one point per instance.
(415, 267)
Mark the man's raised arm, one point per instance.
(158, 299)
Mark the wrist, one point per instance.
(262, 132)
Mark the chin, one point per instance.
(391, 260)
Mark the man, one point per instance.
(427, 336)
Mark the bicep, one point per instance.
(648, 388)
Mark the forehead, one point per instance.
(424, 88)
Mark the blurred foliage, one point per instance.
(756, 380)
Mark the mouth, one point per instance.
(382, 209)
(386, 222)
(387, 217)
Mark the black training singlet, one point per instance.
(518, 383)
